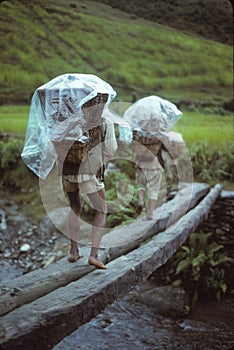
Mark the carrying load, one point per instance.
(77, 152)
(149, 119)
(66, 112)
(151, 142)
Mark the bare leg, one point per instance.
(152, 204)
(141, 195)
(153, 187)
(98, 200)
(74, 224)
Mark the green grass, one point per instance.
(203, 18)
(47, 39)
(14, 119)
(216, 130)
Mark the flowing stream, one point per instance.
(130, 324)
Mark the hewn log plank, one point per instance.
(130, 236)
(35, 284)
(44, 322)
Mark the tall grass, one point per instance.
(197, 127)
(47, 40)
(14, 119)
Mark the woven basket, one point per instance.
(93, 111)
(151, 143)
(77, 151)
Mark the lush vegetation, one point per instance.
(194, 126)
(210, 164)
(200, 266)
(14, 119)
(198, 127)
(44, 39)
(211, 19)
(138, 57)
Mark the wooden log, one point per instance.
(41, 324)
(35, 284)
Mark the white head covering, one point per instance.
(58, 101)
(151, 114)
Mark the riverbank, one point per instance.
(27, 245)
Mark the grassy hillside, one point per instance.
(40, 40)
(211, 19)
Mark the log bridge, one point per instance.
(42, 307)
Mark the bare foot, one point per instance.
(74, 256)
(96, 262)
(146, 218)
(149, 215)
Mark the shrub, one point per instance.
(122, 198)
(199, 266)
(212, 164)
(10, 153)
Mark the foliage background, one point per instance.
(40, 40)
(180, 50)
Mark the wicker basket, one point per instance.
(75, 152)
(151, 143)
(93, 111)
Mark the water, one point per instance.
(3, 224)
(131, 325)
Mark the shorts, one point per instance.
(84, 183)
(149, 180)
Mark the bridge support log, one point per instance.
(35, 284)
(44, 322)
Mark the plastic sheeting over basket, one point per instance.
(56, 108)
(152, 115)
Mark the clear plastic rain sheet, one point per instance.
(150, 114)
(56, 108)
